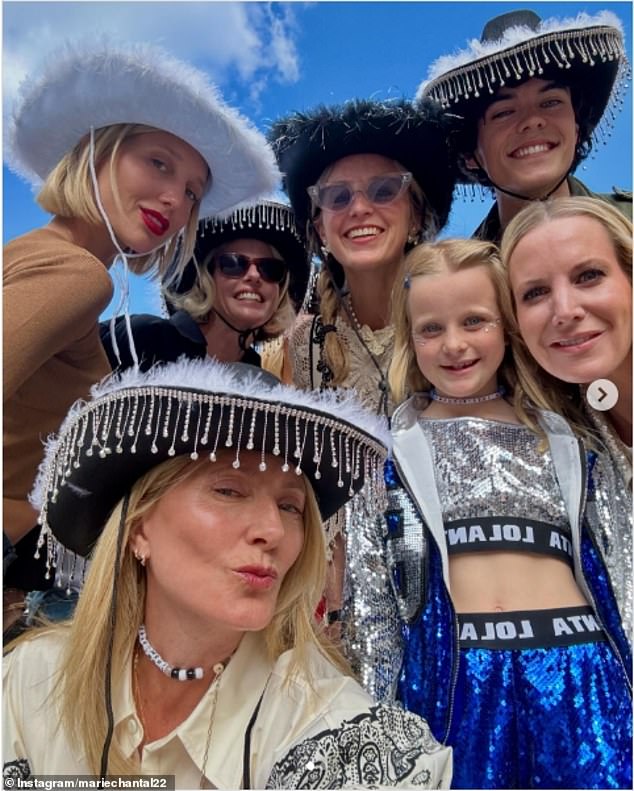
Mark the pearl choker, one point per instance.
(499, 393)
(179, 673)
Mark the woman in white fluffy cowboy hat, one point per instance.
(242, 286)
(194, 651)
(130, 147)
(534, 96)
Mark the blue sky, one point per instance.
(269, 59)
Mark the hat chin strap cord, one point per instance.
(123, 281)
(516, 194)
(243, 335)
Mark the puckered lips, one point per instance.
(532, 149)
(580, 341)
(257, 577)
(155, 221)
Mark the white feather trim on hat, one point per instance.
(342, 407)
(99, 83)
(513, 36)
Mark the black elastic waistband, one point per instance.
(504, 533)
(529, 628)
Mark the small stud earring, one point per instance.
(325, 250)
(140, 557)
(413, 237)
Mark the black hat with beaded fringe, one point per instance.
(267, 221)
(136, 421)
(586, 53)
(307, 143)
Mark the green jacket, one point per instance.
(490, 231)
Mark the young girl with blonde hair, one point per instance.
(511, 642)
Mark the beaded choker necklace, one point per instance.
(218, 670)
(178, 673)
(499, 393)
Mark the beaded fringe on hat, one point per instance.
(526, 60)
(265, 214)
(173, 421)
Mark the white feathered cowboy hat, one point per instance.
(100, 83)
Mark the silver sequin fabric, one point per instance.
(489, 468)
(372, 627)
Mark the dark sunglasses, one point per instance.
(273, 270)
(379, 190)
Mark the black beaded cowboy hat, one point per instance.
(134, 422)
(586, 53)
(307, 143)
(267, 221)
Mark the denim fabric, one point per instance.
(53, 604)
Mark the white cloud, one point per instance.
(283, 48)
(249, 42)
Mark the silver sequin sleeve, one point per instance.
(372, 632)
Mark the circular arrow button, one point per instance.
(602, 394)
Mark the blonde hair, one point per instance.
(80, 685)
(68, 192)
(616, 225)
(534, 383)
(331, 276)
(200, 298)
(451, 255)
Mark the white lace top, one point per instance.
(363, 375)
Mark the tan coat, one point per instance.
(53, 294)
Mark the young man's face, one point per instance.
(527, 137)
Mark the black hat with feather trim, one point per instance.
(267, 221)
(586, 53)
(136, 421)
(307, 143)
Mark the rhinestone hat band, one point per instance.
(523, 60)
(338, 454)
(262, 215)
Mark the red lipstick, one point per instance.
(155, 221)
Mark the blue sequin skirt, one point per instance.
(547, 717)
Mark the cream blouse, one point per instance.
(328, 734)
